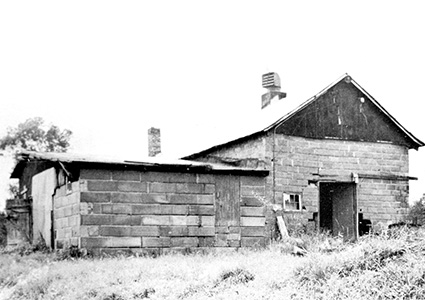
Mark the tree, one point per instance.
(2, 229)
(33, 135)
(417, 212)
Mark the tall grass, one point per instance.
(389, 266)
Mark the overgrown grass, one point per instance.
(389, 266)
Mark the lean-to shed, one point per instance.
(150, 205)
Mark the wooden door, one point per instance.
(227, 211)
(338, 209)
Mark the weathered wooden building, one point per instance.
(330, 163)
(336, 160)
(151, 205)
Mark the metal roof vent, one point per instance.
(271, 81)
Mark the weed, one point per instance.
(236, 276)
(146, 293)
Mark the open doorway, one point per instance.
(337, 209)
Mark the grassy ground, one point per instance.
(389, 266)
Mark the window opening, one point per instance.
(291, 201)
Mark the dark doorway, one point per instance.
(338, 206)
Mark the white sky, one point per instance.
(108, 70)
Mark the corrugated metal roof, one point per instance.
(283, 110)
(24, 156)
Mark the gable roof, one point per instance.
(288, 110)
(146, 163)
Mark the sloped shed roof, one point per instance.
(147, 163)
(287, 109)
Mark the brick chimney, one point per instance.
(154, 141)
(271, 82)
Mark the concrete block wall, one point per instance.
(298, 159)
(66, 216)
(161, 210)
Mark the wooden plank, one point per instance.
(282, 226)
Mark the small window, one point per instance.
(291, 201)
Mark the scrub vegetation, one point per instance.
(390, 265)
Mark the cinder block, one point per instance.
(253, 221)
(131, 186)
(125, 220)
(98, 174)
(252, 181)
(255, 242)
(251, 201)
(68, 211)
(115, 231)
(117, 242)
(207, 221)
(145, 209)
(182, 177)
(234, 236)
(60, 213)
(182, 199)
(205, 178)
(154, 177)
(258, 231)
(205, 199)
(144, 231)
(184, 242)
(221, 240)
(127, 175)
(189, 188)
(200, 231)
(89, 231)
(102, 186)
(95, 197)
(206, 241)
(156, 242)
(75, 209)
(206, 210)
(174, 210)
(173, 231)
(94, 242)
(106, 208)
(96, 219)
(162, 187)
(222, 229)
(73, 220)
(154, 198)
(234, 243)
(209, 188)
(155, 220)
(252, 211)
(183, 220)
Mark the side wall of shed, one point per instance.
(66, 215)
(159, 211)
